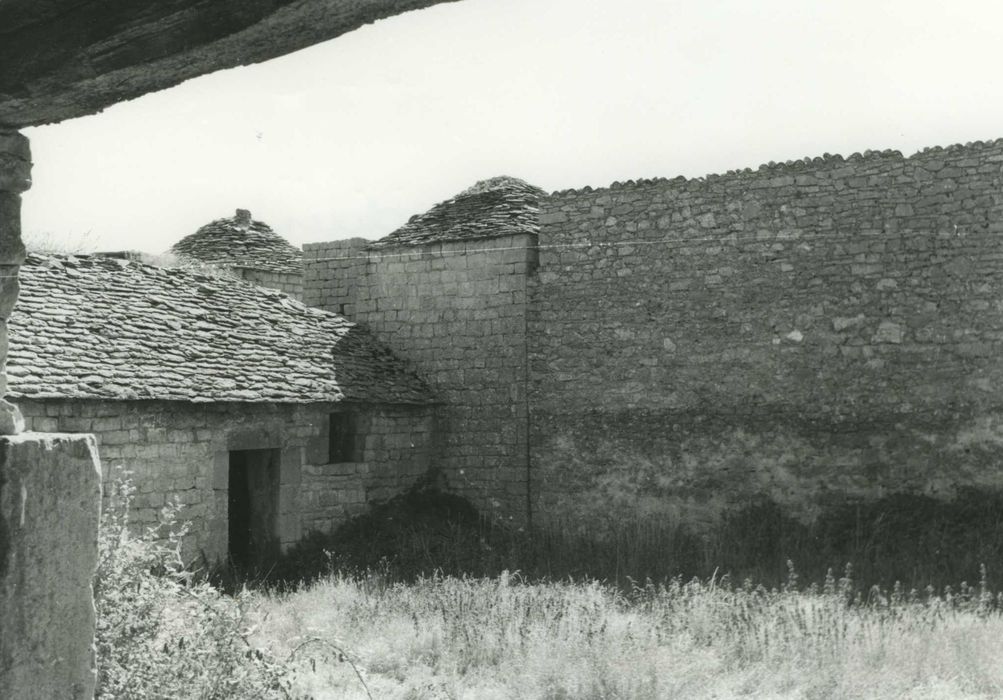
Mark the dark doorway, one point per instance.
(254, 507)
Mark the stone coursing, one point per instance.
(809, 332)
(100, 328)
(291, 284)
(175, 449)
(455, 309)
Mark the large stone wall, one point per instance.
(175, 449)
(457, 311)
(808, 332)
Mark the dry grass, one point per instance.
(501, 638)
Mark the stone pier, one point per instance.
(50, 504)
(15, 178)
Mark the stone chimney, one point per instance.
(243, 218)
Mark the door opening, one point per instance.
(253, 500)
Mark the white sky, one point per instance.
(351, 137)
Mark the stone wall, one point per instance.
(175, 449)
(457, 311)
(288, 283)
(808, 332)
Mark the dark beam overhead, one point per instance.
(61, 59)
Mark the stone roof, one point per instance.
(241, 241)
(92, 327)
(500, 206)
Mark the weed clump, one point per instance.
(162, 633)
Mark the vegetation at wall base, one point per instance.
(393, 632)
(910, 540)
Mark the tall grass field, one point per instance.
(402, 627)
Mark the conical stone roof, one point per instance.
(241, 242)
(500, 206)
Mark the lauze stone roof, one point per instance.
(240, 241)
(100, 328)
(500, 206)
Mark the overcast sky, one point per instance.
(351, 137)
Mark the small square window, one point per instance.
(342, 431)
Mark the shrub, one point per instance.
(161, 633)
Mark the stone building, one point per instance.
(248, 249)
(266, 418)
(812, 332)
(448, 291)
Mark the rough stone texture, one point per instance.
(61, 59)
(177, 449)
(499, 206)
(245, 244)
(15, 178)
(11, 420)
(455, 309)
(15, 162)
(98, 327)
(812, 332)
(12, 250)
(50, 488)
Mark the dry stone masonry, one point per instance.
(249, 250)
(809, 332)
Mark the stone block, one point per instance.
(50, 497)
(291, 466)
(9, 289)
(221, 470)
(11, 247)
(11, 420)
(15, 162)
